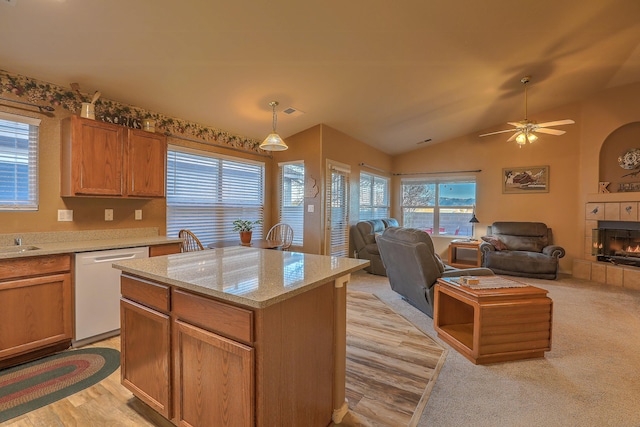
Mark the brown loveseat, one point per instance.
(523, 249)
(363, 236)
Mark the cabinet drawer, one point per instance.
(154, 295)
(232, 322)
(34, 266)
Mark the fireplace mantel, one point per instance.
(613, 197)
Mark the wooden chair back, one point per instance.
(283, 233)
(190, 242)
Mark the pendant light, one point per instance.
(273, 142)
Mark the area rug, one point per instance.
(392, 366)
(32, 385)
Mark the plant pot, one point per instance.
(245, 238)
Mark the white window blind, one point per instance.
(338, 210)
(18, 163)
(374, 196)
(207, 192)
(292, 198)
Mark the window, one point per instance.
(374, 196)
(18, 163)
(292, 198)
(207, 192)
(440, 207)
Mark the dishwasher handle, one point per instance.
(111, 258)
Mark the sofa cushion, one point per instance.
(522, 236)
(495, 242)
(441, 265)
(372, 248)
(526, 262)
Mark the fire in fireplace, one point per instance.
(617, 242)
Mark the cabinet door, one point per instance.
(214, 379)
(97, 156)
(146, 158)
(34, 313)
(145, 355)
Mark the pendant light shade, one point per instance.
(273, 142)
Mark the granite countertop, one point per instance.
(247, 276)
(37, 244)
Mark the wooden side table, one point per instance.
(465, 245)
(493, 325)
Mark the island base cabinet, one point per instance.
(145, 355)
(214, 379)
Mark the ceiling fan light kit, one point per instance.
(525, 129)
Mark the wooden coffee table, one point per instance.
(489, 324)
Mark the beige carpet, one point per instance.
(591, 376)
(391, 365)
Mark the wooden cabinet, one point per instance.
(231, 365)
(208, 364)
(145, 333)
(145, 354)
(146, 155)
(103, 159)
(35, 307)
(166, 249)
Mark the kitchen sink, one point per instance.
(16, 249)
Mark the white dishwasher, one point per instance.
(97, 293)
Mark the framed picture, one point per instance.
(530, 179)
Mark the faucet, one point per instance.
(18, 241)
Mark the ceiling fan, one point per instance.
(525, 129)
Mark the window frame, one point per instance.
(32, 200)
(436, 229)
(214, 200)
(370, 205)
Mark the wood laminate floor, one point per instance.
(391, 368)
(391, 364)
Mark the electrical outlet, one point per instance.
(65, 215)
(138, 214)
(108, 214)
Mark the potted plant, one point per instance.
(245, 227)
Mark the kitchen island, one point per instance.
(237, 336)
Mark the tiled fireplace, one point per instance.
(612, 244)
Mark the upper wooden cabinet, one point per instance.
(103, 159)
(146, 155)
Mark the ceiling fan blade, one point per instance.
(494, 133)
(516, 124)
(514, 136)
(551, 131)
(556, 123)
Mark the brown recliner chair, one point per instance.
(413, 267)
(363, 236)
(523, 249)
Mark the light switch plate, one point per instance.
(108, 214)
(311, 208)
(65, 215)
(138, 214)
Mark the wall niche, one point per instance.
(620, 160)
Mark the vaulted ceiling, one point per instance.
(391, 74)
